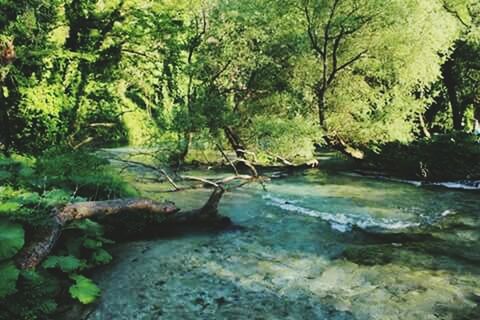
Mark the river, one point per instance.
(314, 245)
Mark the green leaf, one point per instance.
(101, 256)
(11, 239)
(9, 207)
(8, 278)
(84, 289)
(65, 263)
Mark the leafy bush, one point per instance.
(83, 173)
(442, 158)
(29, 189)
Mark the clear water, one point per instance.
(315, 245)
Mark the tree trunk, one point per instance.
(166, 212)
(321, 104)
(450, 83)
(438, 105)
(235, 142)
(185, 148)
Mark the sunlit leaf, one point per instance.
(84, 289)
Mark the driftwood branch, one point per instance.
(155, 169)
(249, 165)
(281, 159)
(219, 183)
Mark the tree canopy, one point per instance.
(281, 75)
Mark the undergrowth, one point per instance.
(29, 189)
(444, 157)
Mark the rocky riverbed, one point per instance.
(313, 246)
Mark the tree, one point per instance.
(461, 71)
(368, 65)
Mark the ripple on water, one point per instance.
(342, 222)
(257, 273)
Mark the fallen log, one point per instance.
(164, 212)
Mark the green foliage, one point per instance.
(55, 197)
(88, 175)
(34, 299)
(33, 189)
(65, 263)
(11, 239)
(443, 158)
(84, 289)
(9, 207)
(291, 138)
(138, 71)
(8, 278)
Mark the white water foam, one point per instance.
(342, 222)
(470, 185)
(462, 185)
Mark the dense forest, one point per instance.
(390, 86)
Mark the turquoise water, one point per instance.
(314, 245)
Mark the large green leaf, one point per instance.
(11, 239)
(65, 263)
(8, 278)
(84, 289)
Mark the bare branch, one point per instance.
(456, 15)
(82, 143)
(203, 180)
(312, 34)
(227, 158)
(153, 168)
(345, 65)
(102, 124)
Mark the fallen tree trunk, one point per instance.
(40, 247)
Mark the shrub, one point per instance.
(29, 189)
(442, 158)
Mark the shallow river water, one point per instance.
(314, 245)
